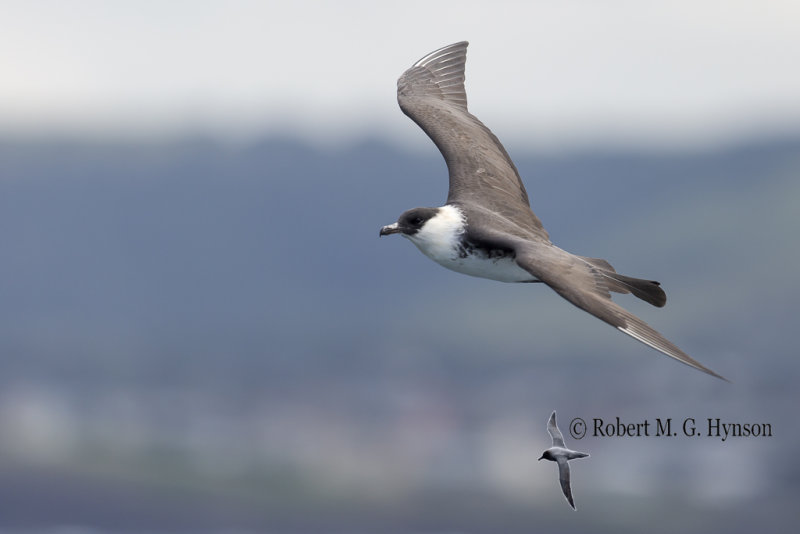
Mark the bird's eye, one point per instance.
(416, 221)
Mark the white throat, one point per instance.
(439, 236)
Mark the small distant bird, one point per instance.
(560, 454)
(486, 228)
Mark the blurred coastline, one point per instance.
(195, 336)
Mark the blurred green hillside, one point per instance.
(197, 336)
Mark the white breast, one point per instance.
(503, 269)
(440, 237)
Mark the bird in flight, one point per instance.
(560, 454)
(486, 228)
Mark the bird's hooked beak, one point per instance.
(542, 458)
(393, 228)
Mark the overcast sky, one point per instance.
(540, 74)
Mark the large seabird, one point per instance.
(486, 228)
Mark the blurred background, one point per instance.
(201, 331)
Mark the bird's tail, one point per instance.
(647, 290)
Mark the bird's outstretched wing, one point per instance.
(555, 433)
(563, 477)
(432, 94)
(587, 287)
